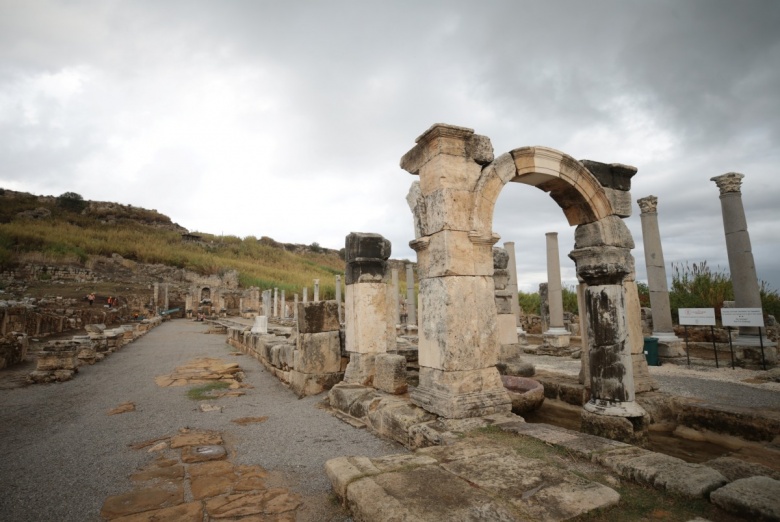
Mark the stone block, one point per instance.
(390, 374)
(275, 359)
(369, 322)
(506, 323)
(755, 498)
(306, 384)
(620, 201)
(615, 428)
(392, 418)
(318, 353)
(504, 302)
(454, 253)
(603, 265)
(461, 394)
(261, 325)
(611, 175)
(457, 323)
(318, 316)
(447, 209)
(361, 369)
(610, 231)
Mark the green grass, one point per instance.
(135, 234)
(204, 392)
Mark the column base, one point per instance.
(555, 341)
(614, 409)
(462, 394)
(666, 337)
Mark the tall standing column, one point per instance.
(411, 301)
(741, 264)
(275, 312)
(295, 309)
(557, 337)
(396, 290)
(316, 290)
(663, 328)
(338, 295)
(509, 246)
(283, 306)
(305, 295)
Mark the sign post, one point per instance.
(746, 317)
(697, 317)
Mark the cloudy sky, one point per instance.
(288, 118)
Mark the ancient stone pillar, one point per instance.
(275, 312)
(458, 336)
(316, 290)
(369, 324)
(165, 296)
(283, 307)
(305, 295)
(663, 328)
(741, 264)
(411, 301)
(295, 309)
(506, 319)
(511, 267)
(557, 336)
(156, 297)
(615, 180)
(338, 295)
(396, 293)
(602, 253)
(267, 303)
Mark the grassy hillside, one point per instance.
(73, 230)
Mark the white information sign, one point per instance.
(742, 317)
(697, 316)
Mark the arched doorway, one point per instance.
(452, 204)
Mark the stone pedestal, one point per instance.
(369, 322)
(317, 356)
(261, 325)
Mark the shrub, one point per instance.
(72, 202)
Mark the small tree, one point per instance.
(71, 202)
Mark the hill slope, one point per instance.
(69, 230)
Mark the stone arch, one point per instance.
(204, 294)
(453, 204)
(569, 183)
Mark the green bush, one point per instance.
(72, 202)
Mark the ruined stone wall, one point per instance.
(41, 321)
(13, 349)
(311, 360)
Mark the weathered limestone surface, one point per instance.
(470, 481)
(390, 373)
(755, 497)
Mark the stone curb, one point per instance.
(396, 418)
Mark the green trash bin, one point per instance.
(651, 351)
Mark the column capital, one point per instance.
(648, 204)
(729, 182)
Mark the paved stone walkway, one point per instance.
(64, 456)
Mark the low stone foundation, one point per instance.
(13, 348)
(60, 360)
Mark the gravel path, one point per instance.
(62, 455)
